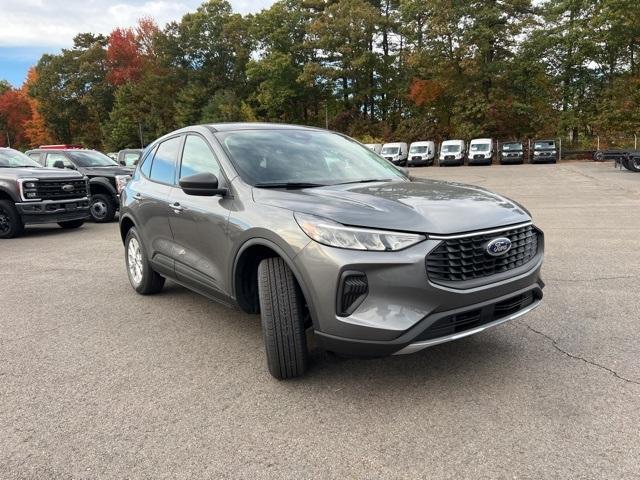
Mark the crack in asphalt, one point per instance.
(555, 345)
(596, 279)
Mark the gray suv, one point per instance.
(315, 232)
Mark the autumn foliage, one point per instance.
(20, 119)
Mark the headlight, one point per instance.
(333, 234)
(28, 189)
(121, 182)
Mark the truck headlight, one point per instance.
(333, 234)
(28, 189)
(121, 182)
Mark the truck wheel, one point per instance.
(10, 222)
(102, 209)
(71, 224)
(281, 307)
(143, 278)
(598, 156)
(633, 164)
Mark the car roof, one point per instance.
(482, 140)
(236, 126)
(421, 141)
(453, 141)
(544, 140)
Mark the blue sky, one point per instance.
(30, 28)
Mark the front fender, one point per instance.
(104, 183)
(10, 189)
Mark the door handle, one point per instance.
(176, 207)
(137, 196)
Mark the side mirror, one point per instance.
(122, 162)
(58, 164)
(202, 185)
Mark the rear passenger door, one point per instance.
(150, 192)
(199, 224)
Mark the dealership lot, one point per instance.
(98, 382)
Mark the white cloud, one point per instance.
(50, 23)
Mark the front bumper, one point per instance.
(552, 157)
(451, 161)
(53, 211)
(403, 306)
(480, 161)
(511, 159)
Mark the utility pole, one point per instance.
(635, 141)
(8, 140)
(140, 133)
(326, 115)
(560, 151)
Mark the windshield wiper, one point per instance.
(289, 185)
(371, 180)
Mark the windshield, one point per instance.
(303, 156)
(389, 150)
(419, 149)
(480, 147)
(90, 158)
(451, 148)
(511, 146)
(544, 145)
(14, 159)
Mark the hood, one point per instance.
(37, 172)
(107, 171)
(424, 206)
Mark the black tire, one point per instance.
(598, 157)
(282, 312)
(71, 224)
(10, 222)
(102, 208)
(150, 281)
(633, 163)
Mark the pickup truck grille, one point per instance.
(61, 189)
(462, 259)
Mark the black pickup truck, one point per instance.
(31, 194)
(106, 176)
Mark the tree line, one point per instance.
(374, 69)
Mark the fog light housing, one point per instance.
(352, 290)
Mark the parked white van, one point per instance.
(480, 151)
(395, 152)
(376, 147)
(421, 153)
(452, 152)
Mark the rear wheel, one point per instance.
(71, 224)
(10, 222)
(634, 163)
(282, 312)
(143, 278)
(102, 208)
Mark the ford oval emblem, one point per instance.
(68, 188)
(498, 246)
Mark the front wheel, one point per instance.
(71, 224)
(10, 222)
(282, 312)
(102, 208)
(143, 278)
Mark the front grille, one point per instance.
(463, 259)
(478, 157)
(57, 190)
(477, 317)
(389, 158)
(449, 157)
(416, 158)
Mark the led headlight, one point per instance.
(333, 234)
(28, 189)
(121, 182)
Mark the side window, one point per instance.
(36, 156)
(52, 158)
(145, 167)
(164, 162)
(197, 157)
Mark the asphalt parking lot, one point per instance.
(98, 382)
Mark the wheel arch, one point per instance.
(244, 280)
